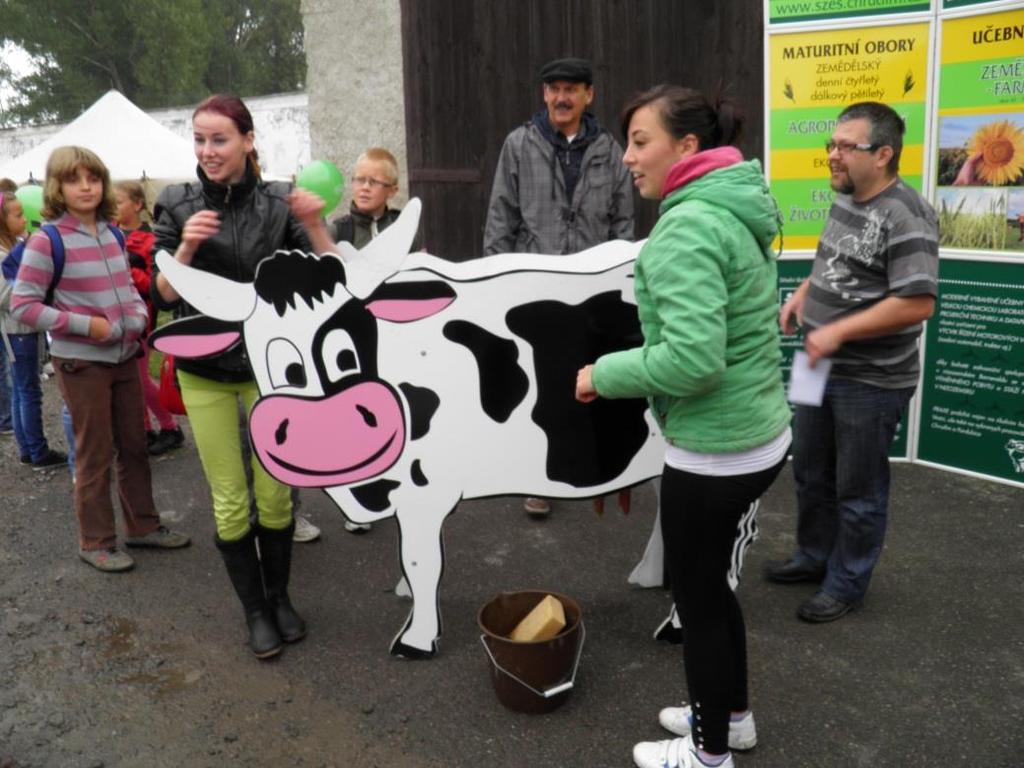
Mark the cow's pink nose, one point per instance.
(349, 436)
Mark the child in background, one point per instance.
(96, 319)
(374, 183)
(69, 435)
(7, 241)
(20, 344)
(130, 201)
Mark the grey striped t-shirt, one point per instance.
(886, 246)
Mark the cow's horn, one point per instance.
(383, 256)
(211, 294)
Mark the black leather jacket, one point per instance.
(354, 227)
(255, 222)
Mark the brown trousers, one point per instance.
(106, 408)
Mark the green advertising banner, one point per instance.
(948, 4)
(972, 408)
(813, 76)
(792, 272)
(791, 11)
(980, 154)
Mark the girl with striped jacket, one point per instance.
(96, 319)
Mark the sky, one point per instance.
(956, 131)
(19, 61)
(977, 200)
(1016, 205)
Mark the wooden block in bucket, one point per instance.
(545, 621)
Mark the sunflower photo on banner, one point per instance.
(980, 163)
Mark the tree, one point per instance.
(157, 53)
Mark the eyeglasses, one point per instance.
(845, 147)
(368, 181)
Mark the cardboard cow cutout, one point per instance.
(402, 383)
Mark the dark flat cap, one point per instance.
(570, 70)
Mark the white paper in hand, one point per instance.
(806, 384)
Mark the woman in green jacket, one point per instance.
(710, 367)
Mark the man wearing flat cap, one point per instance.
(560, 186)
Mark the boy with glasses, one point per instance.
(374, 183)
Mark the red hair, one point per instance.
(235, 110)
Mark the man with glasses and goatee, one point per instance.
(873, 284)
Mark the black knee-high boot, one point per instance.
(243, 566)
(276, 557)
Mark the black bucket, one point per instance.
(534, 677)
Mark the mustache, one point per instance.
(563, 105)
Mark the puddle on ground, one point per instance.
(165, 682)
(119, 640)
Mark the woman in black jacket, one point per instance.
(225, 223)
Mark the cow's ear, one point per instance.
(405, 302)
(198, 336)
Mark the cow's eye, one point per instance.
(295, 374)
(284, 364)
(346, 360)
(339, 355)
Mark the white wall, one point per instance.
(282, 130)
(281, 121)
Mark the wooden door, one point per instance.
(471, 76)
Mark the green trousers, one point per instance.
(212, 408)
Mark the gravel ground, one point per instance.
(149, 668)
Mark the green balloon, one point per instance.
(31, 197)
(323, 179)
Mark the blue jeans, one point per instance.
(841, 468)
(27, 396)
(6, 401)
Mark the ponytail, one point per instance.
(685, 111)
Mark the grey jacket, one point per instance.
(528, 212)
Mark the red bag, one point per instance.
(170, 392)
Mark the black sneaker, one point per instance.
(823, 607)
(176, 435)
(670, 630)
(26, 459)
(793, 572)
(151, 437)
(51, 459)
(167, 440)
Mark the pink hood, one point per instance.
(699, 164)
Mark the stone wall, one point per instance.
(354, 82)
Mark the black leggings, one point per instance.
(699, 515)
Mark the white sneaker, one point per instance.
(671, 753)
(357, 527)
(679, 720)
(305, 530)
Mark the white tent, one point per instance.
(127, 140)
